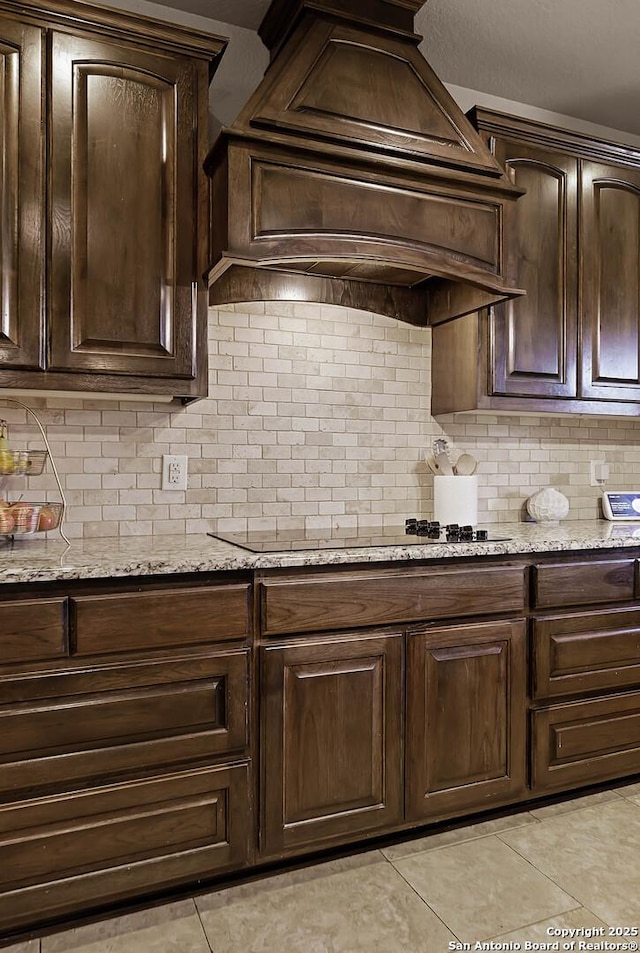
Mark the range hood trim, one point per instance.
(238, 282)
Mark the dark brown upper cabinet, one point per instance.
(111, 185)
(352, 177)
(573, 243)
(22, 146)
(534, 338)
(610, 243)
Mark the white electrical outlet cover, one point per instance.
(174, 472)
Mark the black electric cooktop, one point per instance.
(295, 540)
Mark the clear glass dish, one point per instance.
(26, 519)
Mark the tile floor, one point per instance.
(510, 880)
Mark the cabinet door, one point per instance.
(332, 748)
(534, 338)
(21, 194)
(466, 719)
(610, 249)
(123, 209)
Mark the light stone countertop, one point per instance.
(39, 560)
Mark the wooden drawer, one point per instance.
(166, 618)
(583, 583)
(586, 651)
(109, 719)
(81, 848)
(586, 742)
(33, 630)
(344, 600)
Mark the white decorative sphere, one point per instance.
(548, 506)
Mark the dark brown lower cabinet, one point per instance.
(466, 718)
(332, 739)
(125, 745)
(81, 848)
(582, 652)
(127, 756)
(585, 742)
(68, 728)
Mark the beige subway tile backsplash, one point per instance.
(316, 415)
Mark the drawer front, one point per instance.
(586, 742)
(33, 630)
(82, 848)
(583, 583)
(147, 722)
(336, 601)
(132, 621)
(586, 651)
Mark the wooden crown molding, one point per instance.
(119, 25)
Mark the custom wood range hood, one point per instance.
(351, 176)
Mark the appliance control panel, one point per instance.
(621, 505)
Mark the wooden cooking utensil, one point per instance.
(465, 465)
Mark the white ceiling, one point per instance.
(578, 58)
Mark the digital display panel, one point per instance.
(621, 505)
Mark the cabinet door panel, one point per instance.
(119, 271)
(21, 194)
(610, 242)
(465, 718)
(534, 337)
(332, 761)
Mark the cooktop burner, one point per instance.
(414, 533)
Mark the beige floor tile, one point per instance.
(480, 889)
(539, 932)
(629, 790)
(574, 804)
(592, 854)
(29, 946)
(331, 908)
(173, 928)
(457, 836)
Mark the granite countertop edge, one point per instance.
(48, 561)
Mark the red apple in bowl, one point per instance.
(24, 517)
(47, 519)
(7, 522)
